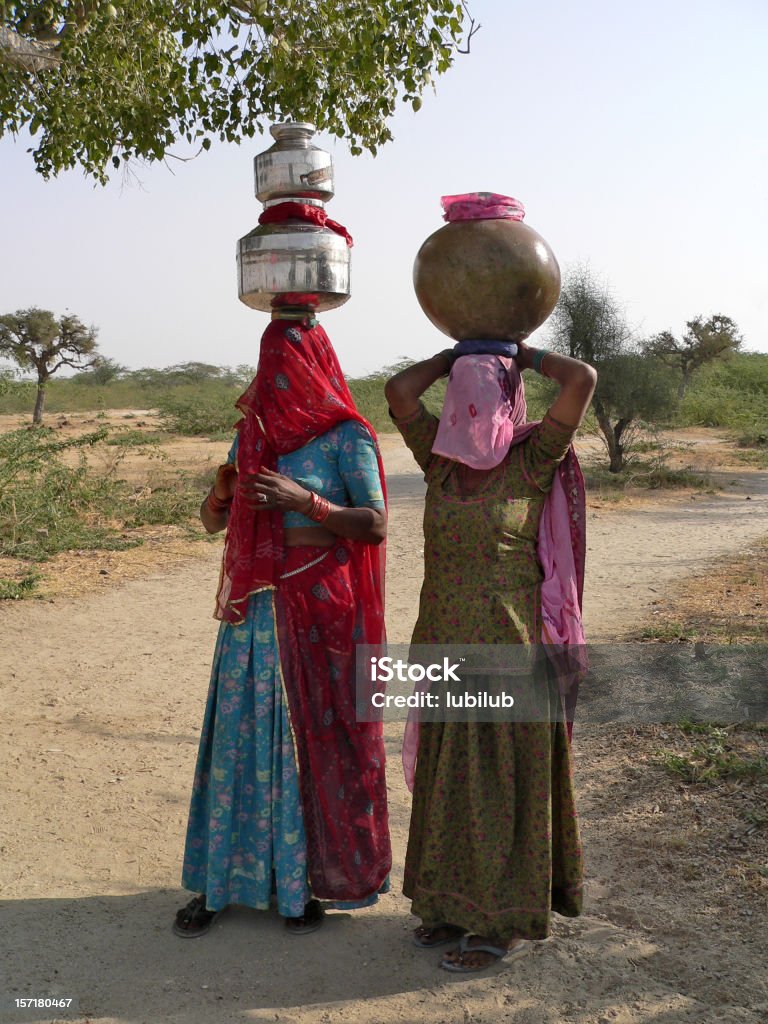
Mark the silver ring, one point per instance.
(263, 499)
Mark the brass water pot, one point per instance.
(494, 278)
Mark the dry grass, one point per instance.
(74, 573)
(727, 604)
(697, 795)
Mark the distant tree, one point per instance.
(704, 340)
(635, 390)
(146, 377)
(196, 372)
(589, 324)
(103, 372)
(105, 82)
(35, 340)
(7, 380)
(243, 374)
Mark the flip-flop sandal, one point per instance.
(310, 920)
(194, 920)
(456, 933)
(500, 952)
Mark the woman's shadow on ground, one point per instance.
(116, 956)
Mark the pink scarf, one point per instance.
(484, 408)
(481, 206)
(478, 396)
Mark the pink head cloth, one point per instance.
(484, 403)
(481, 206)
(561, 543)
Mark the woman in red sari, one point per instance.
(289, 796)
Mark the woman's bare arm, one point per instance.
(404, 390)
(360, 523)
(223, 489)
(576, 379)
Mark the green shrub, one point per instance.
(755, 438)
(368, 395)
(18, 589)
(729, 393)
(48, 506)
(177, 502)
(200, 411)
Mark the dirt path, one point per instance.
(102, 703)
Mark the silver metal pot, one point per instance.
(293, 166)
(275, 259)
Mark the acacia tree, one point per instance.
(704, 340)
(105, 82)
(588, 324)
(35, 340)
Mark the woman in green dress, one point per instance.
(494, 844)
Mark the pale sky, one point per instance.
(635, 135)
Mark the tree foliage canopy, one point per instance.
(589, 324)
(704, 340)
(35, 340)
(98, 83)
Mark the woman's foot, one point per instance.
(194, 920)
(477, 952)
(309, 921)
(437, 935)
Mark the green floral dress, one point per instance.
(494, 840)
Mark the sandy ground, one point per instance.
(102, 703)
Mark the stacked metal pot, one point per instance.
(293, 262)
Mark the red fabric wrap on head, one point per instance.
(304, 211)
(298, 393)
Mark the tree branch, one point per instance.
(472, 29)
(28, 54)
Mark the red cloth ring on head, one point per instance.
(301, 300)
(305, 212)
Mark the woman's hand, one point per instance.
(215, 519)
(268, 490)
(225, 483)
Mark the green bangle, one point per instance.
(538, 359)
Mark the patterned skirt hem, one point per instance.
(504, 925)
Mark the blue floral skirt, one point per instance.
(245, 837)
